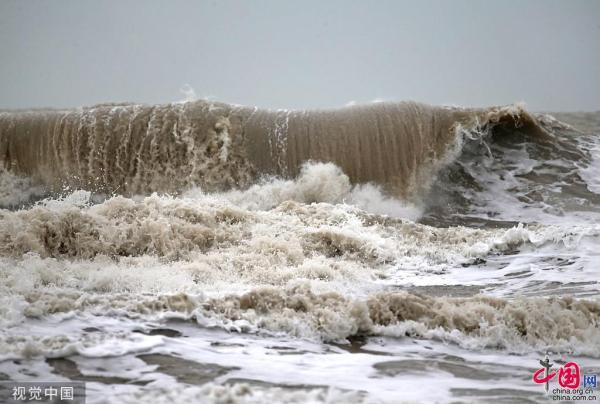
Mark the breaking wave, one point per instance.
(518, 325)
(136, 148)
(404, 159)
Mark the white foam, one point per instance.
(16, 190)
(385, 370)
(317, 182)
(286, 263)
(591, 172)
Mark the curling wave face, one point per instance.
(136, 148)
(478, 161)
(474, 229)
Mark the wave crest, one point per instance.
(128, 149)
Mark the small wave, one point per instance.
(518, 325)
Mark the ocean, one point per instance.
(209, 252)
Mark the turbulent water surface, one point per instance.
(215, 253)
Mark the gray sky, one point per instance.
(301, 54)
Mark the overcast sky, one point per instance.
(301, 54)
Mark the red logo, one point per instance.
(569, 375)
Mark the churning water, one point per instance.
(207, 252)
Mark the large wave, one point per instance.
(139, 148)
